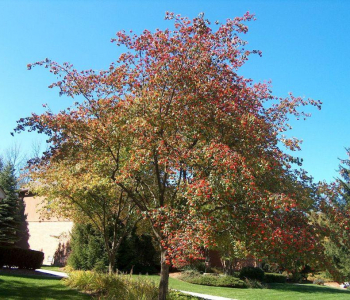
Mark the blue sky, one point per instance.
(305, 47)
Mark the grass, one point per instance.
(276, 291)
(51, 268)
(17, 286)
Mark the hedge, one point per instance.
(214, 280)
(275, 278)
(252, 273)
(21, 258)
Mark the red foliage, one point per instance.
(196, 147)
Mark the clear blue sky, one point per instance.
(305, 45)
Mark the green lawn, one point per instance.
(51, 268)
(22, 286)
(277, 291)
(17, 286)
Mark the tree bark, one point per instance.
(111, 258)
(164, 276)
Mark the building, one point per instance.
(46, 235)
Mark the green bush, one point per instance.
(235, 274)
(20, 258)
(87, 249)
(254, 284)
(212, 280)
(252, 273)
(88, 252)
(275, 278)
(230, 281)
(296, 277)
(138, 253)
(198, 266)
(105, 286)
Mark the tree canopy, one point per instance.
(197, 148)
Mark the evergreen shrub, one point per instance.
(252, 273)
(275, 278)
(88, 252)
(20, 258)
(213, 280)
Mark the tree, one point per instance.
(344, 171)
(9, 207)
(87, 248)
(76, 189)
(193, 145)
(337, 219)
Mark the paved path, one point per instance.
(203, 296)
(55, 273)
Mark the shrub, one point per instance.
(105, 286)
(230, 281)
(295, 277)
(198, 266)
(254, 284)
(138, 253)
(190, 274)
(318, 281)
(252, 273)
(20, 258)
(235, 274)
(212, 280)
(87, 248)
(275, 278)
(89, 252)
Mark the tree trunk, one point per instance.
(111, 259)
(164, 276)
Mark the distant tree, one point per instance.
(344, 170)
(23, 232)
(337, 246)
(9, 207)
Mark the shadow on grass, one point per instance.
(38, 276)
(15, 286)
(307, 288)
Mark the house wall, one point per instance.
(45, 234)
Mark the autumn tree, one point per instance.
(196, 147)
